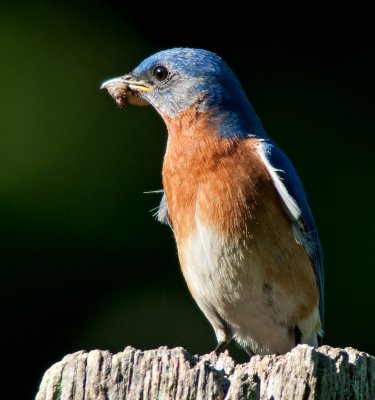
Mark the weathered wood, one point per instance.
(304, 373)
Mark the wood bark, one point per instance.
(304, 373)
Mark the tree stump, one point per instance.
(304, 373)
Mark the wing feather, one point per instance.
(290, 189)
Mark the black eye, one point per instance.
(160, 73)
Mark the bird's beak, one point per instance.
(126, 89)
(132, 83)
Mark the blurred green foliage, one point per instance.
(83, 263)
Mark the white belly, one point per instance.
(227, 277)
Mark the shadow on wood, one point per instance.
(304, 373)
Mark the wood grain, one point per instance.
(304, 373)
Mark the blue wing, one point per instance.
(292, 194)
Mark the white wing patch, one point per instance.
(290, 205)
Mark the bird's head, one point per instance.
(175, 80)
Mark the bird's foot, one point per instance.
(221, 347)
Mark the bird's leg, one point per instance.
(249, 351)
(223, 334)
(297, 336)
(320, 340)
(221, 346)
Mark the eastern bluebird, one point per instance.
(246, 239)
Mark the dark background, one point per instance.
(83, 263)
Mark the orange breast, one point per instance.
(225, 184)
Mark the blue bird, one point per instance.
(247, 243)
